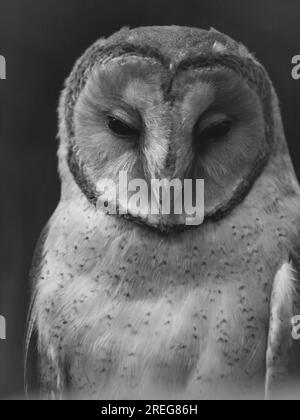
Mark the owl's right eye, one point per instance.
(121, 128)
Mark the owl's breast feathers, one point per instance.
(124, 312)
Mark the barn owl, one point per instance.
(132, 306)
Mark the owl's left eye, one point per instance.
(121, 128)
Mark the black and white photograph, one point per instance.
(150, 203)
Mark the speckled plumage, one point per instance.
(128, 310)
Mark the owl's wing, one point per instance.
(283, 352)
(43, 374)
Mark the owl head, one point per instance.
(168, 103)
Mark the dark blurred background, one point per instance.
(40, 40)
